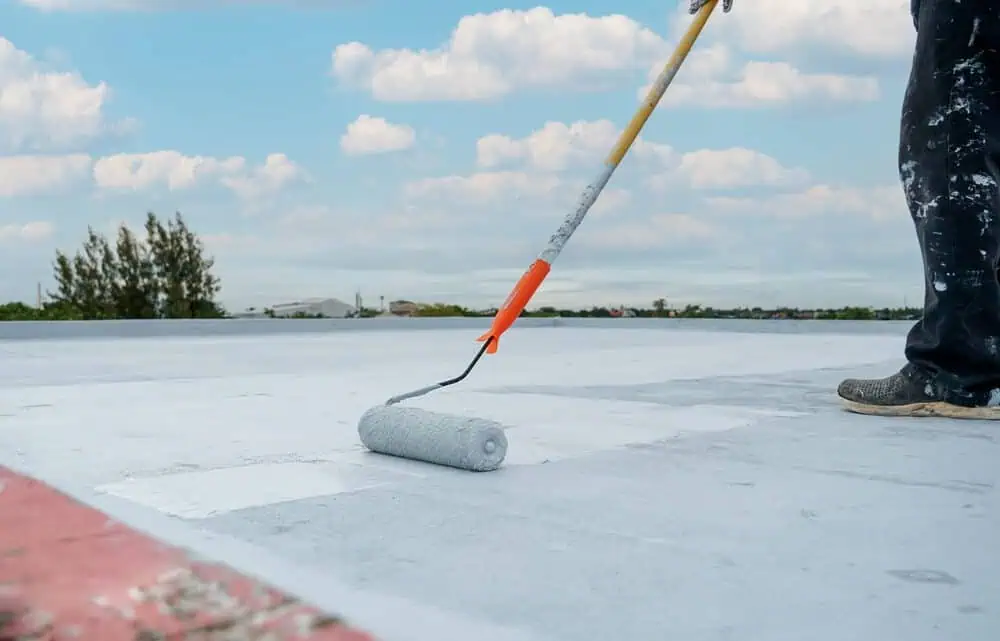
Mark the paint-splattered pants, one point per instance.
(949, 158)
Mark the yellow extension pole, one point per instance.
(660, 85)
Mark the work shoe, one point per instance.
(912, 392)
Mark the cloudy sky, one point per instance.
(426, 150)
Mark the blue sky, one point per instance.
(323, 147)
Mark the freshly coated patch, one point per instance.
(198, 495)
(545, 428)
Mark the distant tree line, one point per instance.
(166, 274)
(660, 310)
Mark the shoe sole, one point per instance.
(936, 409)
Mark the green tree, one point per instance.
(84, 282)
(442, 310)
(181, 271)
(165, 275)
(49, 311)
(20, 312)
(855, 313)
(692, 311)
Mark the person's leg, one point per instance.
(949, 154)
(950, 168)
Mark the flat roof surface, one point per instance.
(683, 482)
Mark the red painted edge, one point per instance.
(68, 571)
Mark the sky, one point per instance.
(426, 151)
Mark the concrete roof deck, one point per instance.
(664, 481)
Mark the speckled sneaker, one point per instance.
(910, 392)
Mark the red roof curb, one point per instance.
(68, 571)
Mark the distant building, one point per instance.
(403, 308)
(326, 307)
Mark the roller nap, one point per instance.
(468, 443)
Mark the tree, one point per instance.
(441, 310)
(692, 311)
(659, 306)
(137, 293)
(166, 275)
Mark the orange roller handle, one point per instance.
(516, 301)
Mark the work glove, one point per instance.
(696, 5)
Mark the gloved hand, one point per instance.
(696, 5)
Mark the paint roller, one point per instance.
(477, 444)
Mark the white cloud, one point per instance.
(613, 200)
(525, 185)
(729, 169)
(656, 231)
(490, 55)
(29, 175)
(176, 171)
(42, 109)
(29, 232)
(484, 187)
(558, 145)
(37, 174)
(277, 173)
(873, 28)
(514, 193)
(372, 135)
(879, 203)
(171, 169)
(716, 79)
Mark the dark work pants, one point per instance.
(949, 162)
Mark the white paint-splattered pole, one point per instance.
(532, 279)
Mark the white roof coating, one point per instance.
(672, 481)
